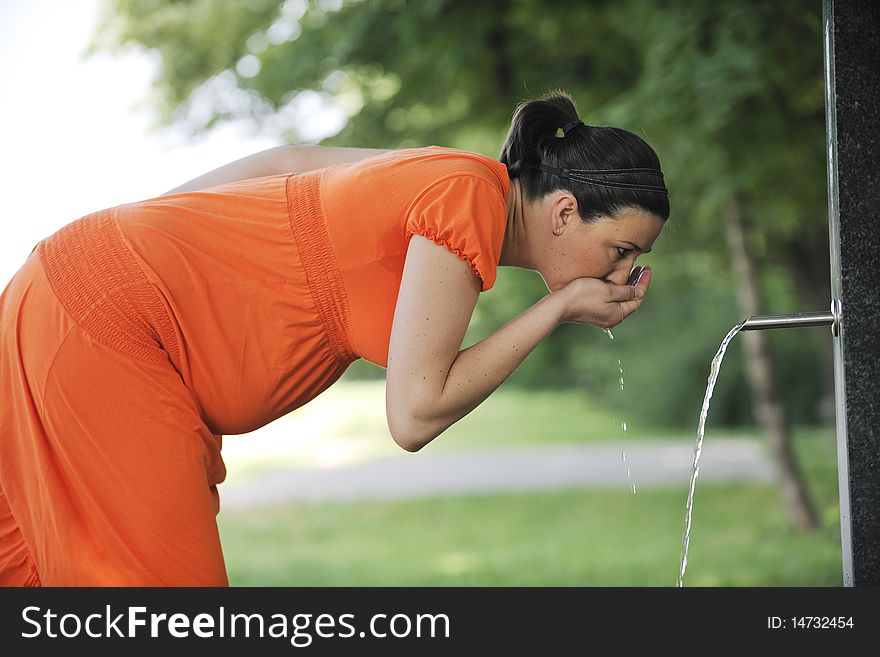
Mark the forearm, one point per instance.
(482, 367)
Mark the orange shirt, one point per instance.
(250, 270)
(134, 338)
(372, 207)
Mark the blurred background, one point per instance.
(111, 101)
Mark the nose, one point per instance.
(619, 276)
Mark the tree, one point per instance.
(758, 124)
(730, 94)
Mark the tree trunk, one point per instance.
(765, 389)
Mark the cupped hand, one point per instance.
(602, 303)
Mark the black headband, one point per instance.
(571, 126)
(584, 176)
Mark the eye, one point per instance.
(622, 251)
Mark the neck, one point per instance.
(514, 251)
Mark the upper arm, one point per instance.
(437, 296)
(290, 158)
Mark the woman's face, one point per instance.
(606, 249)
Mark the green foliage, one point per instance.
(729, 93)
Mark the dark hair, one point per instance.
(532, 141)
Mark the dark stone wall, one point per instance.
(852, 34)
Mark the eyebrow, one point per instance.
(637, 247)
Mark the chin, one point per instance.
(553, 285)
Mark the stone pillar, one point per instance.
(851, 32)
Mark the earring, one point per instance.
(556, 231)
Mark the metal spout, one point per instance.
(797, 320)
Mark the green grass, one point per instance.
(740, 537)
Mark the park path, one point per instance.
(651, 464)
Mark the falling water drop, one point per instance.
(622, 422)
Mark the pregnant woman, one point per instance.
(134, 338)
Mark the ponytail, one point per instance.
(624, 169)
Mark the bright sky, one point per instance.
(71, 140)
(71, 143)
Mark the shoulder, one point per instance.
(456, 162)
(429, 166)
(462, 206)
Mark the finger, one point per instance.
(634, 275)
(621, 293)
(639, 289)
(644, 279)
(627, 308)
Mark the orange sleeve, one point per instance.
(467, 215)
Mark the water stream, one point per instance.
(704, 412)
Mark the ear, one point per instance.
(566, 206)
